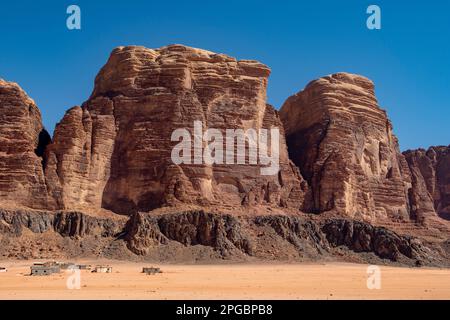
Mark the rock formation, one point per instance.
(107, 185)
(115, 151)
(430, 173)
(22, 143)
(343, 144)
(204, 236)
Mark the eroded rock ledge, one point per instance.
(71, 224)
(202, 235)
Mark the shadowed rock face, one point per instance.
(221, 232)
(67, 224)
(229, 235)
(430, 172)
(202, 235)
(344, 146)
(22, 141)
(26, 234)
(362, 237)
(115, 151)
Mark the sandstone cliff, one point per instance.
(342, 141)
(22, 143)
(115, 151)
(338, 158)
(430, 172)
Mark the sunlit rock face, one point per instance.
(22, 143)
(342, 141)
(115, 151)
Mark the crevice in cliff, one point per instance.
(44, 140)
(122, 206)
(304, 151)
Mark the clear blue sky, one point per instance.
(409, 59)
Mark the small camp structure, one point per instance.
(151, 270)
(44, 269)
(84, 266)
(102, 269)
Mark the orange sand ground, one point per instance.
(228, 281)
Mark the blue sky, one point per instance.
(408, 59)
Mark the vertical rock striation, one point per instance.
(22, 143)
(342, 141)
(430, 173)
(115, 151)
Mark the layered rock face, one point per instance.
(343, 144)
(115, 151)
(22, 143)
(430, 173)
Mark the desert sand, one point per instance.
(227, 281)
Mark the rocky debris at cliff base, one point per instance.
(23, 141)
(280, 238)
(201, 236)
(430, 192)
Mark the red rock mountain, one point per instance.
(22, 143)
(342, 141)
(115, 151)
